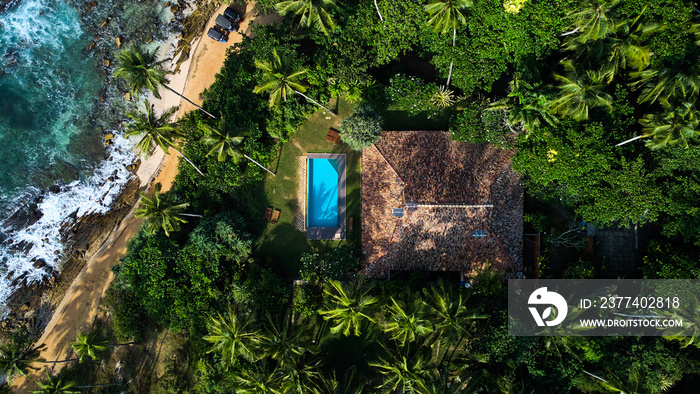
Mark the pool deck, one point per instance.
(333, 233)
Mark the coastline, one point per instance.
(82, 286)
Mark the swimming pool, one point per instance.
(325, 196)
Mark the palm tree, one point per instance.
(579, 90)
(527, 105)
(407, 321)
(258, 379)
(154, 130)
(623, 49)
(449, 313)
(636, 382)
(280, 81)
(675, 126)
(56, 386)
(689, 332)
(681, 83)
(90, 345)
(16, 358)
(349, 306)
(402, 375)
(312, 13)
(446, 15)
(593, 20)
(286, 341)
(161, 213)
(224, 144)
(143, 71)
(233, 338)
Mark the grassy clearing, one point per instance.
(282, 244)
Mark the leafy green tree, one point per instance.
(280, 80)
(580, 90)
(350, 305)
(154, 130)
(311, 13)
(225, 143)
(363, 128)
(161, 213)
(446, 15)
(90, 345)
(143, 71)
(233, 337)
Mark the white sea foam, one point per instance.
(92, 195)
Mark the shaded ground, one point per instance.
(283, 243)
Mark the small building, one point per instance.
(433, 204)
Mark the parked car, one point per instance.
(225, 23)
(231, 14)
(216, 35)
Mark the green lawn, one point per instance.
(282, 243)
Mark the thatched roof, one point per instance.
(428, 168)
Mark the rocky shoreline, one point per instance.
(33, 304)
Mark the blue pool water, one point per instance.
(322, 193)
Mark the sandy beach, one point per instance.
(80, 306)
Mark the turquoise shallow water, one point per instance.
(322, 198)
(48, 83)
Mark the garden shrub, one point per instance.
(308, 299)
(335, 264)
(476, 124)
(412, 94)
(128, 316)
(363, 128)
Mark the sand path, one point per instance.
(81, 303)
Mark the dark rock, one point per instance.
(39, 264)
(55, 188)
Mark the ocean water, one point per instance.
(52, 121)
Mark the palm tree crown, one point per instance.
(225, 143)
(141, 70)
(232, 337)
(153, 129)
(446, 15)
(279, 79)
(53, 385)
(579, 91)
(350, 306)
(675, 126)
(311, 13)
(16, 358)
(160, 213)
(90, 345)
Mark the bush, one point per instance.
(180, 285)
(412, 94)
(128, 316)
(308, 299)
(363, 128)
(476, 124)
(336, 264)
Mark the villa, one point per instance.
(433, 204)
